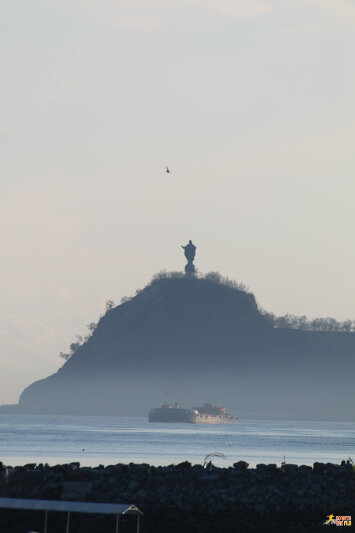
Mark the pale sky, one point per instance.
(249, 102)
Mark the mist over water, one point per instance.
(111, 440)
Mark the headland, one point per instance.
(202, 340)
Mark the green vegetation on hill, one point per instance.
(287, 321)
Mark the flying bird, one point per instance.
(167, 170)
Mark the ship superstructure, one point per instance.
(209, 413)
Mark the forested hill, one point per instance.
(195, 340)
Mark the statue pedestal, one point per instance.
(189, 268)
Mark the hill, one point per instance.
(198, 340)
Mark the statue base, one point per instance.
(189, 269)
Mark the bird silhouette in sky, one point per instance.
(168, 170)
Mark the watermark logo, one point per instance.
(333, 520)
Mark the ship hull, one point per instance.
(171, 416)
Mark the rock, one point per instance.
(347, 468)
(75, 490)
(176, 498)
(132, 485)
(318, 468)
(240, 465)
(30, 466)
(141, 495)
(289, 467)
(305, 469)
(261, 466)
(185, 465)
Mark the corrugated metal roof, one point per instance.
(69, 507)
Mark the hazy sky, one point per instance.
(250, 103)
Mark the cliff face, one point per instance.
(196, 340)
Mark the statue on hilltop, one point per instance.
(190, 252)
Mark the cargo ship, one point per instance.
(208, 413)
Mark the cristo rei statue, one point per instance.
(190, 252)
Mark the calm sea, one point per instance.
(110, 440)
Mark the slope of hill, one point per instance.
(197, 340)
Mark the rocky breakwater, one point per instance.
(187, 498)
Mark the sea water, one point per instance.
(110, 440)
